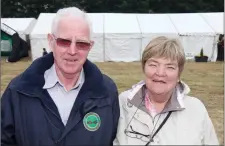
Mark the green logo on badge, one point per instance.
(92, 121)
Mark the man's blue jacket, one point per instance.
(29, 117)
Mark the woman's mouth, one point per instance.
(159, 81)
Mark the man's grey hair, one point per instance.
(70, 11)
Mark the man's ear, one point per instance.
(92, 43)
(50, 41)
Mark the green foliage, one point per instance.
(201, 53)
(32, 8)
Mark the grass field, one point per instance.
(205, 80)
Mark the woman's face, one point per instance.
(161, 75)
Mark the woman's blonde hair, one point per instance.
(163, 47)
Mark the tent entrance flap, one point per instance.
(6, 44)
(6, 39)
(12, 45)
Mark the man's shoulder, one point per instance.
(15, 82)
(108, 82)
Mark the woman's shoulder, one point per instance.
(129, 93)
(123, 96)
(194, 103)
(189, 100)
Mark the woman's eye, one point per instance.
(171, 67)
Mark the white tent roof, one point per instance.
(156, 23)
(44, 22)
(191, 24)
(215, 20)
(121, 23)
(97, 22)
(43, 25)
(21, 25)
(97, 52)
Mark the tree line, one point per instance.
(32, 8)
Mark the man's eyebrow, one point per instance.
(82, 40)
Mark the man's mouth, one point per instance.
(71, 60)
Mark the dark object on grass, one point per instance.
(44, 52)
(202, 57)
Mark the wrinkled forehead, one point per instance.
(70, 27)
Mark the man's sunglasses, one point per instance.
(65, 43)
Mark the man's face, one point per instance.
(70, 44)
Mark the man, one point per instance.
(62, 98)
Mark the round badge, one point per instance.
(92, 121)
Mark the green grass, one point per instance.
(205, 80)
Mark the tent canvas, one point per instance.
(122, 37)
(6, 39)
(215, 20)
(22, 25)
(38, 36)
(154, 25)
(96, 53)
(12, 45)
(195, 34)
(43, 26)
(6, 44)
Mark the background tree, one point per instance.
(32, 8)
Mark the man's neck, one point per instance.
(68, 80)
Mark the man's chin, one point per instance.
(71, 70)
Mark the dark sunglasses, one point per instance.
(80, 44)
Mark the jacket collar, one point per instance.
(51, 79)
(32, 79)
(136, 97)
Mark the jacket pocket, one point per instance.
(92, 104)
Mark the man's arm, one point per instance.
(112, 89)
(116, 114)
(7, 120)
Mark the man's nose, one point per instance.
(72, 49)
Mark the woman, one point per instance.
(157, 110)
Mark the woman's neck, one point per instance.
(159, 101)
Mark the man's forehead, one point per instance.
(73, 27)
(73, 22)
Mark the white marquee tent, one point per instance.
(215, 20)
(22, 25)
(122, 37)
(97, 52)
(154, 25)
(38, 36)
(195, 34)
